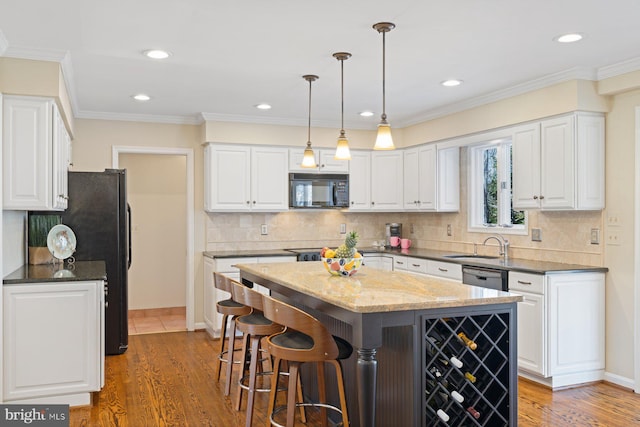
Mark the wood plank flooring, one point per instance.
(168, 379)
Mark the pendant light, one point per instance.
(342, 150)
(384, 141)
(309, 159)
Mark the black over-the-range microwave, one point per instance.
(318, 191)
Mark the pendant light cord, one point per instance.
(384, 101)
(342, 94)
(309, 127)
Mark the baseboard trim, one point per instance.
(620, 380)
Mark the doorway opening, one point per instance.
(161, 278)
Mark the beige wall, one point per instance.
(157, 194)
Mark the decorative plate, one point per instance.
(61, 241)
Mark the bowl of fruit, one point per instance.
(344, 260)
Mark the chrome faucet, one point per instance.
(504, 245)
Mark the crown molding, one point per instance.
(623, 67)
(148, 118)
(37, 54)
(580, 73)
(280, 121)
(4, 43)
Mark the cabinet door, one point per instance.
(576, 322)
(329, 164)
(295, 159)
(28, 165)
(557, 168)
(428, 169)
(210, 312)
(269, 179)
(448, 270)
(228, 178)
(526, 166)
(60, 151)
(387, 181)
(590, 162)
(52, 339)
(448, 180)
(360, 181)
(400, 263)
(531, 328)
(411, 179)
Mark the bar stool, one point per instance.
(304, 340)
(230, 310)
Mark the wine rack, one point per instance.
(470, 369)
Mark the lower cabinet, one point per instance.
(53, 342)
(380, 262)
(560, 327)
(227, 266)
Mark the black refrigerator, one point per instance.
(100, 217)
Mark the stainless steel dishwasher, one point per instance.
(492, 278)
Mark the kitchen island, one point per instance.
(403, 327)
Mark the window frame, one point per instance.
(475, 188)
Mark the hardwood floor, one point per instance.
(168, 379)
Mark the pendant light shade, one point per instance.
(384, 141)
(309, 159)
(342, 149)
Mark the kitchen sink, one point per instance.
(471, 256)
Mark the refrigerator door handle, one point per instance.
(129, 255)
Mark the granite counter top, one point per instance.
(373, 290)
(79, 271)
(511, 264)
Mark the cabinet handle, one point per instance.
(254, 202)
(535, 197)
(541, 197)
(400, 262)
(524, 283)
(248, 202)
(373, 203)
(352, 202)
(416, 265)
(443, 269)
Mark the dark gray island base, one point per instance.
(404, 329)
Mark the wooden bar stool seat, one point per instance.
(230, 310)
(304, 340)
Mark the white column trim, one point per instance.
(116, 150)
(636, 256)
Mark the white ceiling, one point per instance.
(228, 56)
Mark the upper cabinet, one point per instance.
(360, 181)
(558, 164)
(245, 178)
(387, 180)
(36, 154)
(432, 178)
(324, 159)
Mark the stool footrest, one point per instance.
(305, 404)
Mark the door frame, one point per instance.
(116, 150)
(636, 256)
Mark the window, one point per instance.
(490, 183)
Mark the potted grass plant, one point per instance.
(39, 226)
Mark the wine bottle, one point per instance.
(474, 413)
(437, 402)
(468, 375)
(467, 341)
(436, 343)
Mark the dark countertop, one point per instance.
(511, 264)
(79, 271)
(247, 253)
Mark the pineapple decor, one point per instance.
(345, 260)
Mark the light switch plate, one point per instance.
(536, 235)
(595, 236)
(343, 228)
(264, 230)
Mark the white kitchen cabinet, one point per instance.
(558, 164)
(227, 266)
(360, 181)
(447, 270)
(560, 327)
(246, 178)
(324, 159)
(53, 342)
(36, 154)
(432, 178)
(387, 181)
(381, 262)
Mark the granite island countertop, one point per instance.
(371, 290)
(76, 272)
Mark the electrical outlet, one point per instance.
(613, 220)
(264, 230)
(595, 236)
(448, 229)
(613, 239)
(343, 228)
(536, 235)
(411, 228)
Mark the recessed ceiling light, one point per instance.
(156, 54)
(366, 113)
(569, 38)
(451, 83)
(141, 97)
(263, 106)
